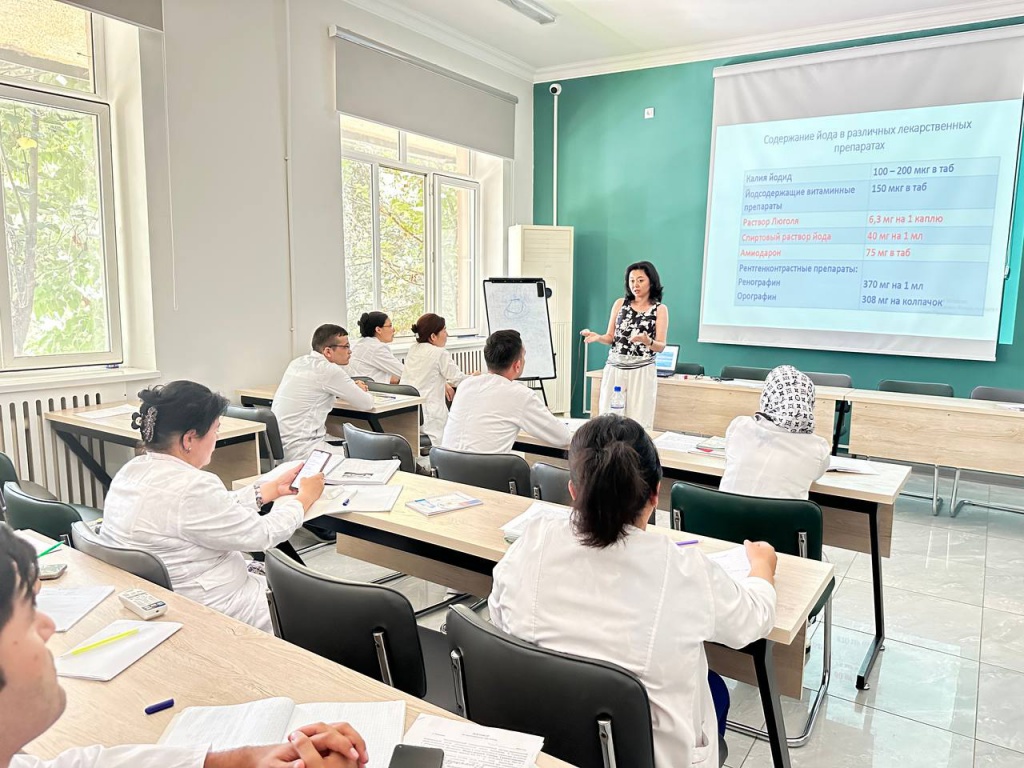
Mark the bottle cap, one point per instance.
(617, 389)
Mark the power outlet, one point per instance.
(648, 113)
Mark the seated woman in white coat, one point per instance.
(164, 503)
(600, 585)
(775, 453)
(371, 352)
(430, 368)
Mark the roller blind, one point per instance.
(141, 13)
(379, 83)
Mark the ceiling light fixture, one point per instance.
(532, 9)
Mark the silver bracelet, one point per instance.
(259, 495)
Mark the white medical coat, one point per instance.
(135, 756)
(429, 368)
(305, 397)
(490, 411)
(199, 529)
(763, 459)
(372, 357)
(642, 603)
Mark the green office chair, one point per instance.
(8, 474)
(46, 516)
(690, 369)
(744, 372)
(792, 526)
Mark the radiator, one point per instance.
(39, 455)
(469, 360)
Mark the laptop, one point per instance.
(665, 361)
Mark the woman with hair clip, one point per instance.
(775, 453)
(637, 331)
(164, 503)
(600, 585)
(429, 367)
(371, 355)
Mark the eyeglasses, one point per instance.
(340, 346)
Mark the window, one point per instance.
(58, 269)
(411, 232)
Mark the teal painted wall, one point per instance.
(637, 189)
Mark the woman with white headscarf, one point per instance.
(775, 453)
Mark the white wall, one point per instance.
(226, 211)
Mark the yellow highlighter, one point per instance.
(104, 641)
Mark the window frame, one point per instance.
(90, 104)
(432, 226)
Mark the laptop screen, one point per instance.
(666, 359)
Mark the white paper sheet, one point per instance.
(574, 424)
(854, 466)
(515, 527)
(363, 498)
(468, 745)
(748, 383)
(39, 546)
(106, 413)
(362, 472)
(69, 605)
(380, 723)
(673, 441)
(734, 561)
(108, 661)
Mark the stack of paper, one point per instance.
(67, 606)
(347, 471)
(515, 527)
(106, 413)
(448, 502)
(712, 446)
(269, 721)
(734, 561)
(342, 499)
(108, 661)
(856, 466)
(468, 745)
(674, 441)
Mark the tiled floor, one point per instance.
(948, 691)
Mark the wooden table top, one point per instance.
(212, 660)
(120, 425)
(477, 531)
(380, 405)
(678, 380)
(932, 402)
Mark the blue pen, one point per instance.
(346, 501)
(152, 709)
(687, 542)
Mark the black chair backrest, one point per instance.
(690, 369)
(143, 564)
(999, 394)
(393, 389)
(744, 372)
(504, 472)
(730, 516)
(916, 387)
(508, 683)
(378, 446)
(8, 474)
(550, 483)
(366, 627)
(272, 448)
(830, 379)
(48, 517)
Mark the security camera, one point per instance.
(555, 88)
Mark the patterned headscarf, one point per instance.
(788, 400)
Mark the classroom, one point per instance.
(379, 378)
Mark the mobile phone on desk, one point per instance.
(406, 756)
(55, 571)
(314, 465)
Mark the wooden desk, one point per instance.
(857, 512)
(237, 454)
(942, 431)
(212, 660)
(399, 415)
(459, 549)
(706, 407)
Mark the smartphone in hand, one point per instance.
(314, 464)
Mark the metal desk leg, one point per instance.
(374, 422)
(764, 668)
(878, 641)
(86, 458)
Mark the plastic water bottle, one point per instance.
(617, 404)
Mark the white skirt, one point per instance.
(639, 385)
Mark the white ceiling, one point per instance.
(594, 36)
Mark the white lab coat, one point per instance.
(642, 603)
(429, 368)
(199, 529)
(128, 756)
(763, 459)
(489, 411)
(306, 396)
(372, 357)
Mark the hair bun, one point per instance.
(364, 317)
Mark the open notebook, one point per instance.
(269, 721)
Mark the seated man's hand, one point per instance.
(363, 386)
(313, 746)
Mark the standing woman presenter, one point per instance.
(637, 330)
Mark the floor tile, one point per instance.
(849, 735)
(1000, 714)
(919, 511)
(842, 559)
(1002, 639)
(926, 575)
(745, 704)
(949, 544)
(910, 617)
(1004, 590)
(1004, 554)
(1006, 525)
(739, 747)
(990, 756)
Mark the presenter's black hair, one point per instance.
(652, 275)
(180, 406)
(322, 336)
(427, 326)
(369, 322)
(615, 471)
(502, 350)
(19, 571)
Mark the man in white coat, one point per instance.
(308, 390)
(490, 410)
(31, 699)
